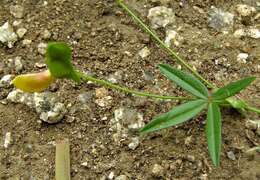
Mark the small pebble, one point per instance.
(5, 81)
(220, 20)
(231, 155)
(145, 52)
(161, 16)
(21, 32)
(242, 57)
(157, 170)
(7, 140)
(134, 144)
(245, 10)
(7, 35)
(111, 175)
(26, 42)
(46, 34)
(42, 48)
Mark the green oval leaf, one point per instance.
(213, 132)
(185, 80)
(176, 116)
(58, 60)
(232, 88)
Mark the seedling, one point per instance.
(58, 60)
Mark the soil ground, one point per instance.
(105, 40)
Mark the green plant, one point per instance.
(204, 99)
(58, 60)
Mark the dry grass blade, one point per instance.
(62, 160)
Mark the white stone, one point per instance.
(242, 57)
(7, 35)
(161, 16)
(18, 64)
(17, 22)
(172, 37)
(251, 32)
(26, 42)
(42, 48)
(46, 34)
(44, 103)
(8, 140)
(6, 80)
(145, 52)
(134, 144)
(21, 32)
(111, 175)
(220, 20)
(85, 164)
(17, 11)
(157, 170)
(245, 10)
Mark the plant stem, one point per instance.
(253, 109)
(162, 44)
(108, 84)
(62, 160)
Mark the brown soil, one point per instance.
(104, 33)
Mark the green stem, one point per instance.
(162, 44)
(86, 77)
(253, 109)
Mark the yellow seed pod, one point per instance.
(34, 82)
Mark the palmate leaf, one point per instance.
(176, 116)
(185, 80)
(58, 60)
(213, 132)
(232, 88)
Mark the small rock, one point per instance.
(46, 34)
(101, 92)
(172, 37)
(40, 65)
(26, 42)
(134, 144)
(161, 16)
(7, 35)
(253, 125)
(5, 81)
(231, 155)
(55, 115)
(251, 32)
(145, 52)
(104, 102)
(7, 140)
(21, 32)
(190, 158)
(17, 22)
(245, 10)
(220, 20)
(44, 103)
(42, 48)
(17, 11)
(129, 118)
(242, 57)
(15, 64)
(121, 177)
(111, 175)
(157, 170)
(85, 164)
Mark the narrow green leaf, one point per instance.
(58, 60)
(185, 80)
(213, 132)
(176, 116)
(232, 88)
